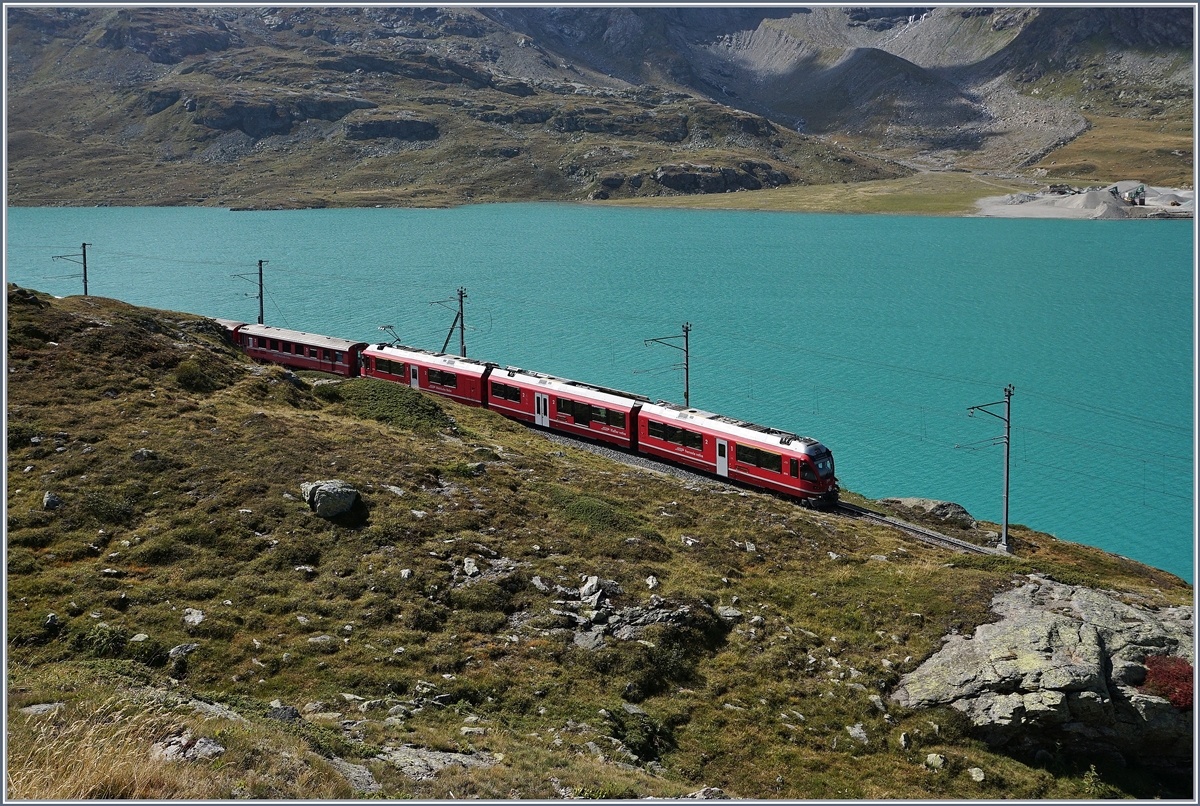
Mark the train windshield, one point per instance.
(824, 465)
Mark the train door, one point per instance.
(722, 458)
(541, 409)
(415, 381)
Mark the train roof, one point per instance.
(456, 362)
(735, 428)
(312, 339)
(565, 386)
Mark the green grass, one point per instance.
(216, 518)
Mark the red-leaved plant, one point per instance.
(1169, 677)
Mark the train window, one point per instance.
(824, 466)
(442, 378)
(312, 352)
(721, 449)
(337, 357)
(806, 472)
(680, 436)
(599, 414)
(274, 345)
(616, 418)
(579, 412)
(506, 392)
(328, 357)
(753, 456)
(795, 467)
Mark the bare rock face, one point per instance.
(329, 498)
(947, 511)
(1060, 668)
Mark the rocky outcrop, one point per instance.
(748, 175)
(1060, 668)
(946, 511)
(266, 116)
(401, 128)
(421, 764)
(424, 66)
(138, 32)
(328, 499)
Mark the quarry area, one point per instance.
(1123, 200)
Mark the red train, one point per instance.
(752, 454)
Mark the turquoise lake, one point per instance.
(873, 334)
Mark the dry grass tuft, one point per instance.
(96, 751)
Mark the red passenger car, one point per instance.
(563, 405)
(460, 379)
(293, 348)
(738, 450)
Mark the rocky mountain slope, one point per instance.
(307, 107)
(501, 615)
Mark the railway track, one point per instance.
(850, 510)
(919, 532)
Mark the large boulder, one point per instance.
(329, 499)
(945, 511)
(1060, 668)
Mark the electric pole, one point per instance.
(1007, 418)
(260, 288)
(666, 340)
(82, 260)
(459, 322)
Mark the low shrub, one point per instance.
(1171, 678)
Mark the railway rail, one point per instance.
(919, 532)
(850, 510)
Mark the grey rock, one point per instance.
(50, 501)
(1056, 669)
(182, 650)
(315, 707)
(284, 713)
(41, 708)
(185, 748)
(539, 584)
(469, 567)
(708, 793)
(592, 640)
(935, 761)
(905, 741)
(590, 587)
(976, 774)
(137, 639)
(857, 732)
(143, 455)
(321, 639)
(421, 764)
(406, 573)
(360, 778)
(652, 582)
(52, 622)
(193, 617)
(729, 614)
(946, 511)
(330, 498)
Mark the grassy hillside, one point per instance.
(448, 599)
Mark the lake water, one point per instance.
(873, 334)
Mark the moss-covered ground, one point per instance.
(209, 517)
